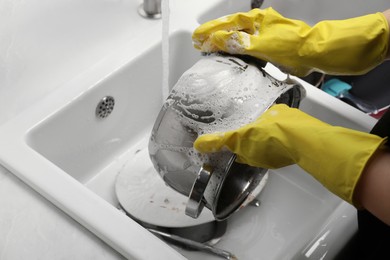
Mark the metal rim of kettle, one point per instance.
(196, 202)
(228, 197)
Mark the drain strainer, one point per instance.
(105, 107)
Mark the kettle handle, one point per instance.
(195, 202)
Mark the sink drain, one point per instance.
(105, 107)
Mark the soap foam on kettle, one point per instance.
(217, 94)
(222, 93)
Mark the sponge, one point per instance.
(335, 87)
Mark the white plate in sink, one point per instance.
(143, 194)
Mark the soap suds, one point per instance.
(238, 43)
(217, 94)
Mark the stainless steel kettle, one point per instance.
(217, 94)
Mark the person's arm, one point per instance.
(373, 189)
(353, 165)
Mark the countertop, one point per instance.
(32, 228)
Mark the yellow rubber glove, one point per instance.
(282, 136)
(351, 46)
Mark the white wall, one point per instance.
(45, 43)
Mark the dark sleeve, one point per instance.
(382, 127)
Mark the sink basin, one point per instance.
(62, 149)
(72, 157)
(310, 11)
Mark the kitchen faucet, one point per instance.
(150, 9)
(256, 3)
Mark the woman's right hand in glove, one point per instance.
(282, 136)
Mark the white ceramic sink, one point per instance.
(72, 158)
(62, 150)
